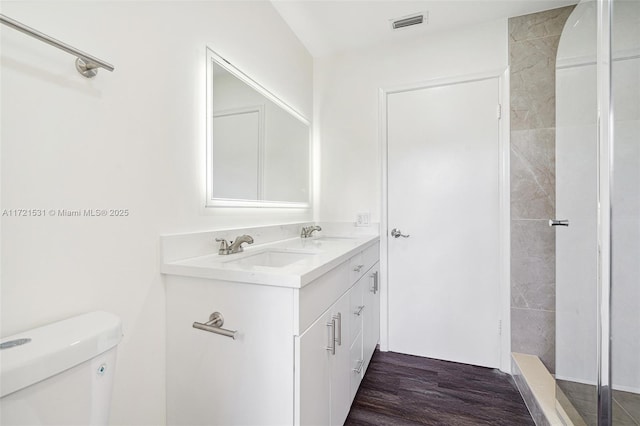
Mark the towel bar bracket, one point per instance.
(214, 325)
(87, 69)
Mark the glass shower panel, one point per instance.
(625, 292)
(576, 201)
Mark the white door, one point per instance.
(443, 192)
(238, 139)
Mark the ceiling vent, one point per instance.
(408, 21)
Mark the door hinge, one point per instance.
(499, 111)
(500, 327)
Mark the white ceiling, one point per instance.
(326, 27)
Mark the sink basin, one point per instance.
(272, 258)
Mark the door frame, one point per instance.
(504, 190)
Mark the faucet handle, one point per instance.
(224, 246)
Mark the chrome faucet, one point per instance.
(307, 231)
(235, 246)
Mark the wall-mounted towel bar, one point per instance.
(85, 64)
(214, 325)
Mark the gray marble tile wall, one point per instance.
(533, 43)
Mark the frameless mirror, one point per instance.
(258, 148)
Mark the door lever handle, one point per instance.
(396, 233)
(554, 222)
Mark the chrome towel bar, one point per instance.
(214, 325)
(85, 64)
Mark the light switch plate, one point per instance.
(362, 219)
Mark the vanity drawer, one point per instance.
(356, 362)
(356, 309)
(370, 256)
(363, 261)
(314, 298)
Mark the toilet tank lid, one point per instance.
(56, 347)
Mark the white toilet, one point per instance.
(61, 373)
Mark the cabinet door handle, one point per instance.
(359, 311)
(338, 317)
(358, 369)
(357, 268)
(332, 337)
(374, 290)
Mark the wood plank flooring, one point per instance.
(407, 390)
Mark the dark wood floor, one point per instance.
(407, 390)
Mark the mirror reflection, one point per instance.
(259, 148)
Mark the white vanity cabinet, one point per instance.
(365, 324)
(322, 358)
(356, 359)
(293, 357)
(371, 312)
(334, 352)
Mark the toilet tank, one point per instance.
(61, 373)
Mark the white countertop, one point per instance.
(323, 253)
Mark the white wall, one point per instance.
(346, 106)
(132, 139)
